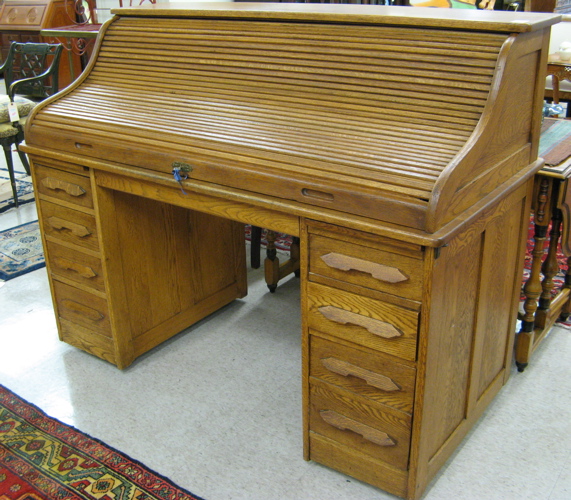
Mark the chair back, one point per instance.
(31, 69)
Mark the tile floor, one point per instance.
(218, 408)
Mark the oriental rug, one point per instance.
(21, 251)
(23, 185)
(42, 458)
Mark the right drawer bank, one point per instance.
(404, 344)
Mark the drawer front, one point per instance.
(381, 434)
(82, 308)
(69, 225)
(64, 186)
(363, 372)
(76, 266)
(353, 463)
(25, 15)
(362, 320)
(376, 269)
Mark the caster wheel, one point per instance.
(520, 366)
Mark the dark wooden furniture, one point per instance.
(544, 304)
(23, 20)
(559, 70)
(401, 157)
(32, 69)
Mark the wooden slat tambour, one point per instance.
(397, 103)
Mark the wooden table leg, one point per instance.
(550, 268)
(272, 263)
(272, 268)
(532, 288)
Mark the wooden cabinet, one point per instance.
(87, 298)
(22, 21)
(405, 346)
(405, 169)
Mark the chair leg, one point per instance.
(23, 159)
(255, 246)
(8, 155)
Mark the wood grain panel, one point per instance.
(69, 226)
(172, 258)
(82, 308)
(402, 320)
(453, 314)
(76, 266)
(350, 461)
(64, 186)
(500, 258)
(397, 103)
(375, 431)
(87, 340)
(408, 269)
(358, 371)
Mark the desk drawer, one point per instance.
(64, 186)
(364, 372)
(368, 322)
(76, 266)
(82, 308)
(365, 266)
(380, 433)
(71, 226)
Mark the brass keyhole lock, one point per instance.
(180, 171)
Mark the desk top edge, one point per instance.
(501, 21)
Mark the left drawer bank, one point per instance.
(75, 244)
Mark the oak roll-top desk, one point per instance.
(399, 144)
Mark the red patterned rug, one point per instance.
(41, 458)
(283, 241)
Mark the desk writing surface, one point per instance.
(335, 124)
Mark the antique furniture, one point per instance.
(30, 69)
(274, 271)
(544, 304)
(23, 20)
(12, 134)
(76, 39)
(398, 144)
(558, 70)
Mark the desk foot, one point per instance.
(272, 288)
(520, 366)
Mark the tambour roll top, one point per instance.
(400, 115)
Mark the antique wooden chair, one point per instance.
(31, 74)
(31, 69)
(273, 270)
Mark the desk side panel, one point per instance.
(468, 331)
(167, 267)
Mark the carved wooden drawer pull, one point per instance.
(76, 229)
(68, 187)
(377, 271)
(83, 310)
(373, 379)
(83, 271)
(374, 326)
(344, 423)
